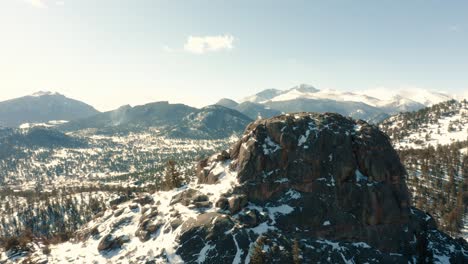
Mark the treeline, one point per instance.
(438, 181)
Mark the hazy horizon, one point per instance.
(111, 53)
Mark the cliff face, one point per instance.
(296, 188)
(347, 173)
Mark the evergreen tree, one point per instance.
(296, 253)
(172, 177)
(423, 253)
(258, 256)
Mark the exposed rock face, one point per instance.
(346, 171)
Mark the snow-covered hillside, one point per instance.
(443, 124)
(130, 224)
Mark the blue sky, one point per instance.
(114, 52)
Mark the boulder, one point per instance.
(109, 242)
(146, 228)
(191, 197)
(237, 202)
(222, 203)
(118, 200)
(144, 199)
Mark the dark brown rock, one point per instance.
(133, 206)
(237, 202)
(222, 203)
(324, 155)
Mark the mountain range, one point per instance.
(220, 120)
(373, 106)
(173, 120)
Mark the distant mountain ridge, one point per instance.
(42, 107)
(373, 106)
(173, 120)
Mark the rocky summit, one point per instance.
(298, 188)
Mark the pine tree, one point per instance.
(258, 256)
(172, 178)
(296, 252)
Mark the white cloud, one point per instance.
(60, 3)
(203, 44)
(37, 3)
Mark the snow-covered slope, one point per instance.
(126, 225)
(418, 95)
(443, 123)
(294, 93)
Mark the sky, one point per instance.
(110, 53)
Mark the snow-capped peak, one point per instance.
(43, 93)
(305, 91)
(305, 88)
(389, 101)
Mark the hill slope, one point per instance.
(442, 123)
(310, 187)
